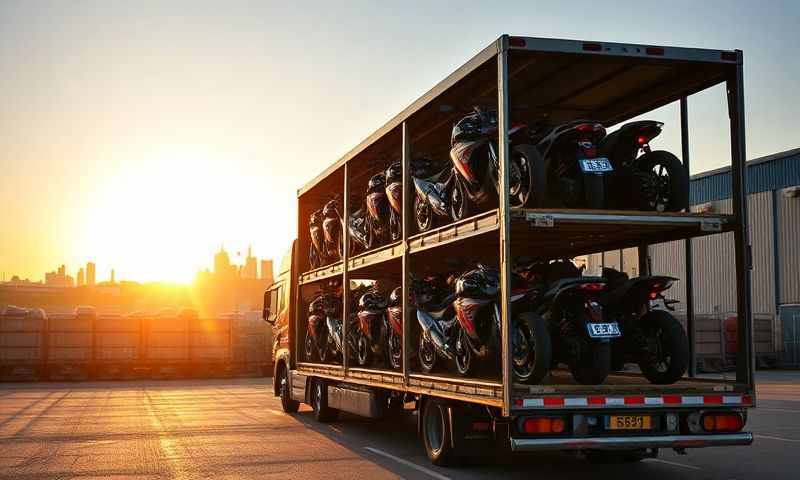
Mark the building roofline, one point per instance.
(755, 161)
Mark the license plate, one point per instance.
(629, 422)
(595, 165)
(603, 330)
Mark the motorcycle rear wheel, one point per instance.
(533, 180)
(672, 348)
(594, 364)
(464, 357)
(324, 349)
(427, 355)
(395, 228)
(670, 191)
(532, 349)
(363, 353)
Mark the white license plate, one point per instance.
(593, 165)
(603, 330)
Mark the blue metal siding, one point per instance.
(769, 173)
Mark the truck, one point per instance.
(623, 418)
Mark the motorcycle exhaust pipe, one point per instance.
(433, 330)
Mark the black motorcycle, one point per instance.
(569, 303)
(652, 338)
(316, 250)
(432, 187)
(369, 225)
(373, 327)
(394, 192)
(656, 180)
(475, 158)
(440, 329)
(576, 175)
(316, 342)
(478, 312)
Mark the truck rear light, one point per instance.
(722, 422)
(654, 51)
(592, 47)
(516, 41)
(543, 425)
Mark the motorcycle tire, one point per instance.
(325, 349)
(310, 346)
(427, 355)
(536, 364)
(459, 201)
(395, 227)
(594, 364)
(464, 361)
(364, 351)
(660, 162)
(672, 341)
(423, 215)
(537, 177)
(394, 349)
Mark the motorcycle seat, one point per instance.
(561, 283)
(609, 143)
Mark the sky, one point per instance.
(143, 135)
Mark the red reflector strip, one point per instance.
(597, 400)
(654, 51)
(553, 402)
(747, 399)
(592, 47)
(672, 399)
(634, 400)
(716, 399)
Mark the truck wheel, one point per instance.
(288, 405)
(319, 402)
(668, 357)
(436, 433)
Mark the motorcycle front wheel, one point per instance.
(395, 351)
(459, 202)
(395, 228)
(310, 347)
(532, 348)
(324, 348)
(464, 357)
(423, 215)
(668, 187)
(669, 356)
(427, 355)
(363, 352)
(593, 364)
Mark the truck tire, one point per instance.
(672, 348)
(436, 431)
(319, 402)
(287, 404)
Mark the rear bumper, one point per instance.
(610, 443)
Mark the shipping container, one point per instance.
(119, 346)
(22, 344)
(167, 343)
(210, 342)
(71, 345)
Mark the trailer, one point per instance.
(624, 418)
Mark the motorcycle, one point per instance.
(372, 326)
(478, 312)
(474, 154)
(332, 231)
(660, 180)
(394, 312)
(653, 338)
(394, 192)
(368, 225)
(316, 342)
(569, 304)
(575, 174)
(316, 250)
(436, 317)
(432, 190)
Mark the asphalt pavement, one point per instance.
(234, 428)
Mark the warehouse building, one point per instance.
(773, 185)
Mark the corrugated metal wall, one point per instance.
(760, 214)
(789, 247)
(669, 259)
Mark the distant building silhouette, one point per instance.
(112, 276)
(250, 269)
(58, 278)
(266, 271)
(81, 278)
(90, 274)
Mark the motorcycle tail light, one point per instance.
(592, 287)
(725, 422)
(589, 127)
(642, 140)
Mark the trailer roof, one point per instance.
(560, 80)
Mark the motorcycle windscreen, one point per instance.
(472, 314)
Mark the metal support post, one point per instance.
(691, 330)
(345, 277)
(406, 283)
(505, 222)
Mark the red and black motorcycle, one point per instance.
(332, 231)
(369, 225)
(373, 327)
(394, 312)
(475, 158)
(656, 180)
(316, 342)
(394, 192)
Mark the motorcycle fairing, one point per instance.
(315, 325)
(368, 322)
(433, 330)
(468, 311)
(433, 193)
(395, 315)
(462, 155)
(395, 193)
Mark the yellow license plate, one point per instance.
(629, 422)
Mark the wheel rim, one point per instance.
(660, 189)
(519, 185)
(463, 355)
(426, 354)
(395, 351)
(457, 201)
(284, 388)
(434, 428)
(362, 350)
(309, 346)
(523, 353)
(318, 396)
(422, 214)
(662, 357)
